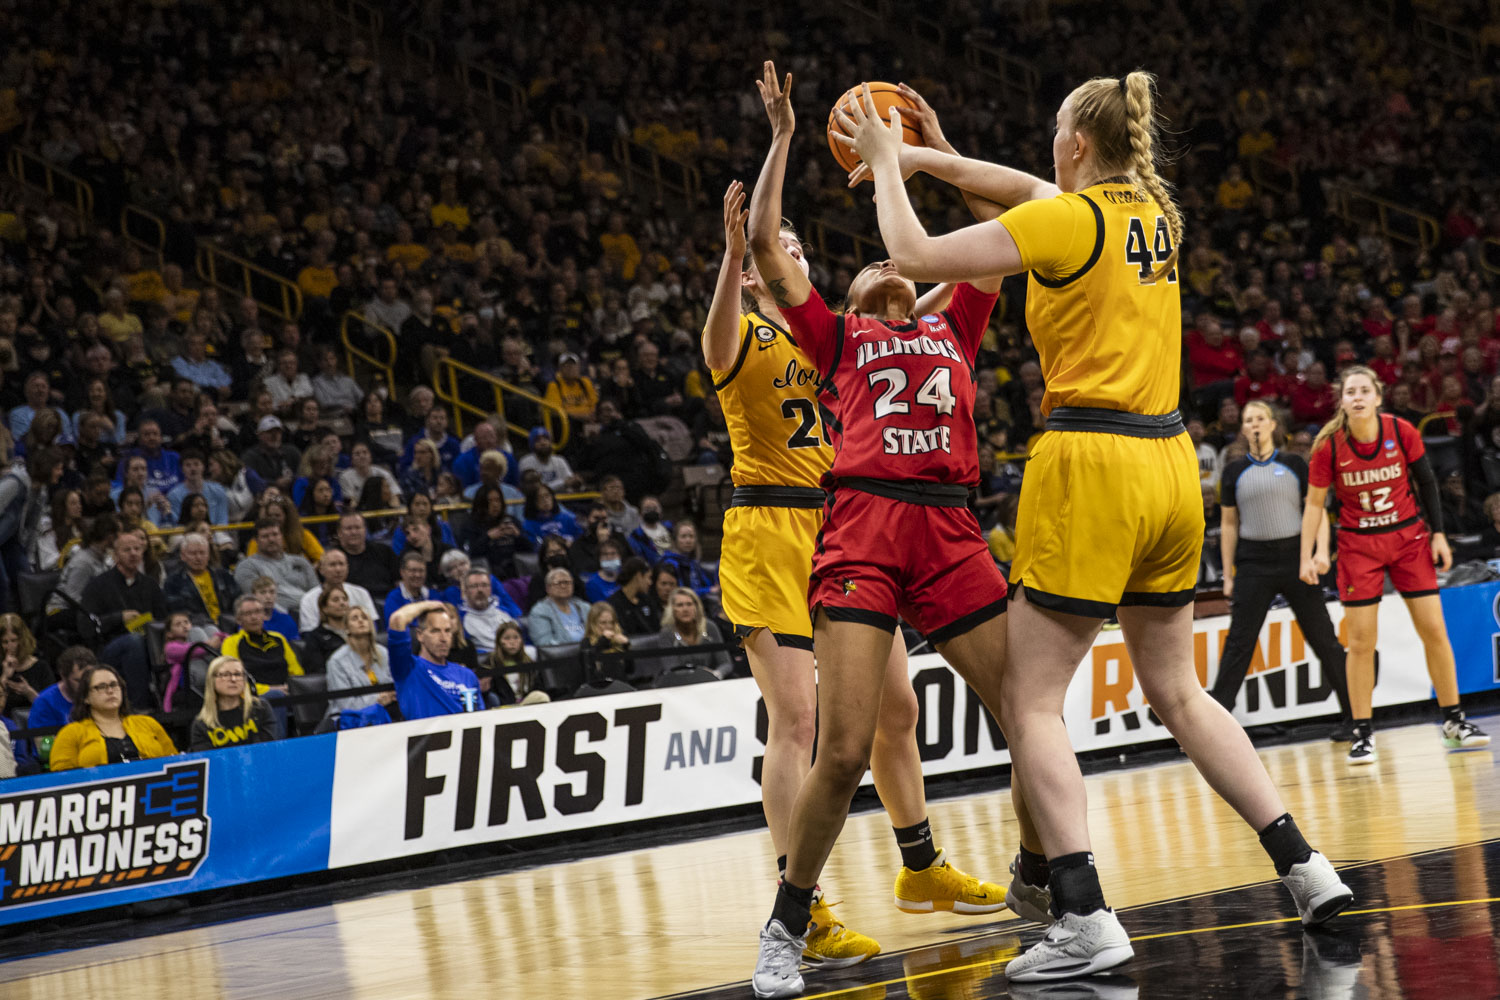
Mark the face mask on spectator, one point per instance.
(609, 565)
(650, 515)
(557, 559)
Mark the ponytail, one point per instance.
(1142, 125)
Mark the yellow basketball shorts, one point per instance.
(764, 565)
(1107, 520)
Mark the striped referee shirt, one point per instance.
(1267, 494)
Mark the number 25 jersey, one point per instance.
(770, 400)
(902, 394)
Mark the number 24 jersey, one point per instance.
(901, 395)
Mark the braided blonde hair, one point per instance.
(1120, 117)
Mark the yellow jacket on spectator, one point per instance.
(411, 255)
(81, 744)
(622, 253)
(119, 329)
(145, 286)
(317, 282)
(578, 398)
(443, 212)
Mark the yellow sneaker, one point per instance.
(943, 887)
(831, 945)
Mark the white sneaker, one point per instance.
(1361, 751)
(1074, 946)
(776, 972)
(1464, 735)
(1317, 890)
(1027, 901)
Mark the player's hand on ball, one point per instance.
(875, 142)
(907, 158)
(1442, 555)
(1309, 572)
(925, 119)
(777, 98)
(735, 217)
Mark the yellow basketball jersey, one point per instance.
(1105, 339)
(771, 409)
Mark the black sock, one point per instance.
(1285, 843)
(1034, 868)
(1453, 713)
(1363, 730)
(781, 867)
(915, 842)
(1075, 884)
(793, 906)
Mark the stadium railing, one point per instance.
(238, 276)
(1489, 254)
(1449, 39)
(1269, 175)
(1018, 78)
(505, 96)
(144, 230)
(31, 171)
(1396, 222)
(359, 336)
(669, 175)
(834, 240)
(448, 378)
(359, 19)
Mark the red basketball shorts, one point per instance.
(1365, 559)
(879, 558)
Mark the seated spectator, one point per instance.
(360, 662)
(416, 536)
(117, 606)
(305, 428)
(542, 516)
(434, 432)
(154, 504)
(195, 519)
(420, 505)
(177, 643)
(605, 639)
(264, 590)
(269, 459)
(421, 476)
(240, 485)
(93, 455)
(663, 584)
(362, 469)
(485, 439)
(53, 706)
(427, 684)
(88, 559)
(412, 586)
(21, 670)
(559, 617)
(683, 558)
(204, 591)
(623, 515)
(103, 729)
(58, 531)
(293, 574)
(683, 626)
(287, 385)
(584, 553)
(659, 393)
(116, 322)
(572, 392)
(193, 482)
(552, 553)
(381, 431)
(196, 366)
(372, 565)
(1260, 380)
(622, 448)
(37, 390)
(163, 467)
(552, 467)
(632, 608)
(16, 756)
(268, 656)
(493, 535)
(231, 715)
(317, 465)
(276, 507)
(100, 402)
(1462, 515)
(337, 393)
(1313, 400)
(329, 632)
(483, 611)
(601, 586)
(652, 536)
(509, 663)
(334, 569)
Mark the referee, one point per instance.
(1262, 496)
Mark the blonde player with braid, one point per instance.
(1111, 514)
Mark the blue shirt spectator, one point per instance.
(544, 516)
(37, 391)
(197, 367)
(427, 684)
(435, 429)
(163, 467)
(193, 482)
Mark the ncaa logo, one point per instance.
(932, 318)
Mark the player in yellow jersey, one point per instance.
(768, 390)
(1111, 517)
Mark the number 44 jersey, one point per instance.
(899, 396)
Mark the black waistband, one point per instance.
(1382, 529)
(922, 494)
(805, 497)
(1096, 420)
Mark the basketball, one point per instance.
(886, 96)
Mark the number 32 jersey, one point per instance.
(770, 400)
(901, 395)
(1370, 481)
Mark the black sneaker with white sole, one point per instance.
(1362, 751)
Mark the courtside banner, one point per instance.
(1473, 617)
(102, 836)
(503, 775)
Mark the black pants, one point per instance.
(1253, 593)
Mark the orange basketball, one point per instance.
(886, 96)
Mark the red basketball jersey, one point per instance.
(901, 395)
(1371, 481)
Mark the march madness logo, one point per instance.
(100, 835)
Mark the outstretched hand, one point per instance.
(777, 98)
(735, 217)
(876, 143)
(925, 119)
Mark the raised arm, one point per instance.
(407, 614)
(721, 332)
(785, 280)
(1003, 186)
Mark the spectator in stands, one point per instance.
(269, 459)
(225, 468)
(372, 565)
(231, 715)
(94, 456)
(317, 465)
(360, 662)
(115, 609)
(21, 670)
(572, 392)
(23, 497)
(287, 385)
(153, 503)
(624, 516)
(163, 467)
(583, 554)
(1313, 400)
(334, 569)
(412, 586)
(652, 536)
(493, 468)
(683, 557)
(383, 432)
(362, 469)
(116, 322)
(99, 402)
(60, 528)
(493, 535)
(278, 508)
(622, 448)
(435, 432)
(601, 586)
(53, 706)
(38, 398)
(251, 363)
(659, 393)
(417, 537)
(206, 592)
(542, 516)
(193, 482)
(683, 626)
(197, 367)
(552, 467)
(486, 437)
(103, 729)
(337, 393)
(387, 308)
(427, 684)
(482, 611)
(663, 583)
(510, 663)
(421, 476)
(323, 638)
(89, 559)
(420, 505)
(264, 590)
(1462, 515)
(630, 599)
(606, 640)
(293, 573)
(268, 656)
(305, 417)
(559, 617)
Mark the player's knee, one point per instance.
(899, 713)
(1361, 645)
(844, 761)
(796, 725)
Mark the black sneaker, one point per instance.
(1342, 733)
(1362, 751)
